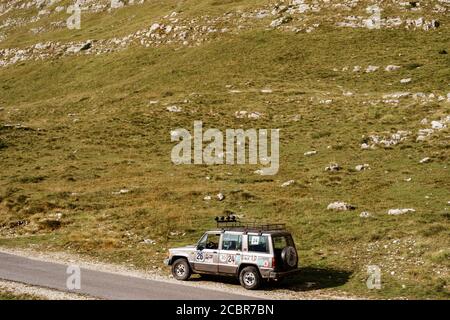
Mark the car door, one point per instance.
(258, 251)
(230, 252)
(206, 257)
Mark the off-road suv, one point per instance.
(250, 252)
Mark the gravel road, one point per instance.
(103, 285)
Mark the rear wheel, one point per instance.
(181, 270)
(250, 278)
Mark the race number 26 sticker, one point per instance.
(199, 256)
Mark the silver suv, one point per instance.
(249, 252)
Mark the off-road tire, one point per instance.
(181, 270)
(250, 278)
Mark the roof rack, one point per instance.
(232, 223)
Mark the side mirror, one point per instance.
(200, 247)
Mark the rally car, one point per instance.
(250, 252)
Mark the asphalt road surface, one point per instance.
(102, 285)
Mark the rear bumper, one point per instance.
(283, 274)
(168, 261)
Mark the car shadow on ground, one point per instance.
(309, 278)
(312, 278)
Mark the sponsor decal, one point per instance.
(249, 258)
(199, 256)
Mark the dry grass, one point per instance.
(119, 141)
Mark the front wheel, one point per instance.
(181, 270)
(250, 278)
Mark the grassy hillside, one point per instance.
(77, 129)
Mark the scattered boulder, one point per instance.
(288, 183)
(79, 47)
(121, 191)
(149, 241)
(57, 215)
(333, 167)
(365, 214)
(425, 160)
(395, 212)
(362, 167)
(423, 134)
(370, 69)
(253, 115)
(281, 20)
(437, 125)
(177, 234)
(340, 206)
(421, 137)
(154, 27)
(390, 68)
(347, 93)
(174, 109)
(397, 95)
(389, 141)
(310, 153)
(406, 80)
(220, 196)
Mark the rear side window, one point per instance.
(258, 244)
(281, 242)
(232, 242)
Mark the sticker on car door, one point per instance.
(199, 256)
(228, 259)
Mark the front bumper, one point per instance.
(283, 274)
(168, 261)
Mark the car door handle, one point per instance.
(214, 251)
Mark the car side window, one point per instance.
(258, 244)
(231, 242)
(212, 241)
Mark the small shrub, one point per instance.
(50, 224)
(32, 179)
(3, 144)
(320, 134)
(412, 66)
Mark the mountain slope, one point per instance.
(85, 131)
